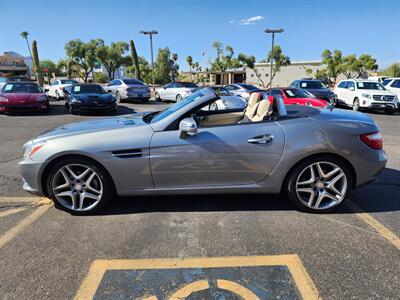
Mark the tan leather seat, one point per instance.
(252, 106)
(264, 109)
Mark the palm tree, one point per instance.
(175, 59)
(24, 35)
(189, 60)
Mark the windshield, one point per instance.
(87, 89)
(31, 88)
(66, 81)
(311, 85)
(132, 81)
(186, 84)
(295, 93)
(248, 87)
(177, 106)
(386, 81)
(370, 86)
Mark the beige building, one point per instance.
(285, 76)
(12, 65)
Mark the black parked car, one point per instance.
(88, 98)
(316, 88)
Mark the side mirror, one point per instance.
(280, 106)
(187, 127)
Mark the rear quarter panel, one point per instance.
(328, 135)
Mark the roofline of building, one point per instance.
(294, 63)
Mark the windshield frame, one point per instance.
(87, 92)
(369, 84)
(5, 91)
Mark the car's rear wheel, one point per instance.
(356, 104)
(71, 109)
(58, 96)
(178, 98)
(319, 184)
(79, 186)
(157, 96)
(118, 96)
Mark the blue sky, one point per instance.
(190, 27)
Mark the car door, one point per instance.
(340, 91)
(52, 88)
(224, 155)
(349, 93)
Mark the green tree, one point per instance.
(163, 67)
(112, 57)
(393, 70)
(101, 78)
(145, 70)
(51, 66)
(280, 60)
(349, 66)
(223, 61)
(249, 61)
(334, 65)
(135, 60)
(35, 59)
(189, 60)
(365, 62)
(82, 56)
(176, 67)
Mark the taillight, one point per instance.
(372, 140)
(61, 88)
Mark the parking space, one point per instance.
(170, 247)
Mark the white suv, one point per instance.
(360, 94)
(393, 85)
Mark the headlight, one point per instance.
(3, 99)
(41, 99)
(32, 148)
(368, 96)
(75, 100)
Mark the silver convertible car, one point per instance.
(315, 156)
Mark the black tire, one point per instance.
(145, 100)
(108, 186)
(72, 111)
(356, 104)
(389, 111)
(58, 96)
(118, 96)
(291, 179)
(157, 96)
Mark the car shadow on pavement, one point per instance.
(381, 196)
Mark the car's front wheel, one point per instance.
(356, 104)
(79, 186)
(319, 184)
(157, 96)
(118, 96)
(178, 98)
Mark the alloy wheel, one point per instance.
(321, 185)
(178, 98)
(356, 105)
(77, 187)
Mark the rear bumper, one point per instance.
(136, 95)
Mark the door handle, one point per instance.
(261, 139)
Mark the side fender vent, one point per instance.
(127, 153)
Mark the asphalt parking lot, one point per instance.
(194, 247)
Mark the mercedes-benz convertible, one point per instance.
(314, 156)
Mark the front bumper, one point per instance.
(37, 107)
(30, 171)
(94, 107)
(380, 105)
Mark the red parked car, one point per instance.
(295, 96)
(23, 97)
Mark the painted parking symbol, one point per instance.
(250, 277)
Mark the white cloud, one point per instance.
(231, 22)
(251, 20)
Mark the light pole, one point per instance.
(273, 31)
(150, 33)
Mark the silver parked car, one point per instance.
(226, 102)
(242, 90)
(315, 156)
(129, 88)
